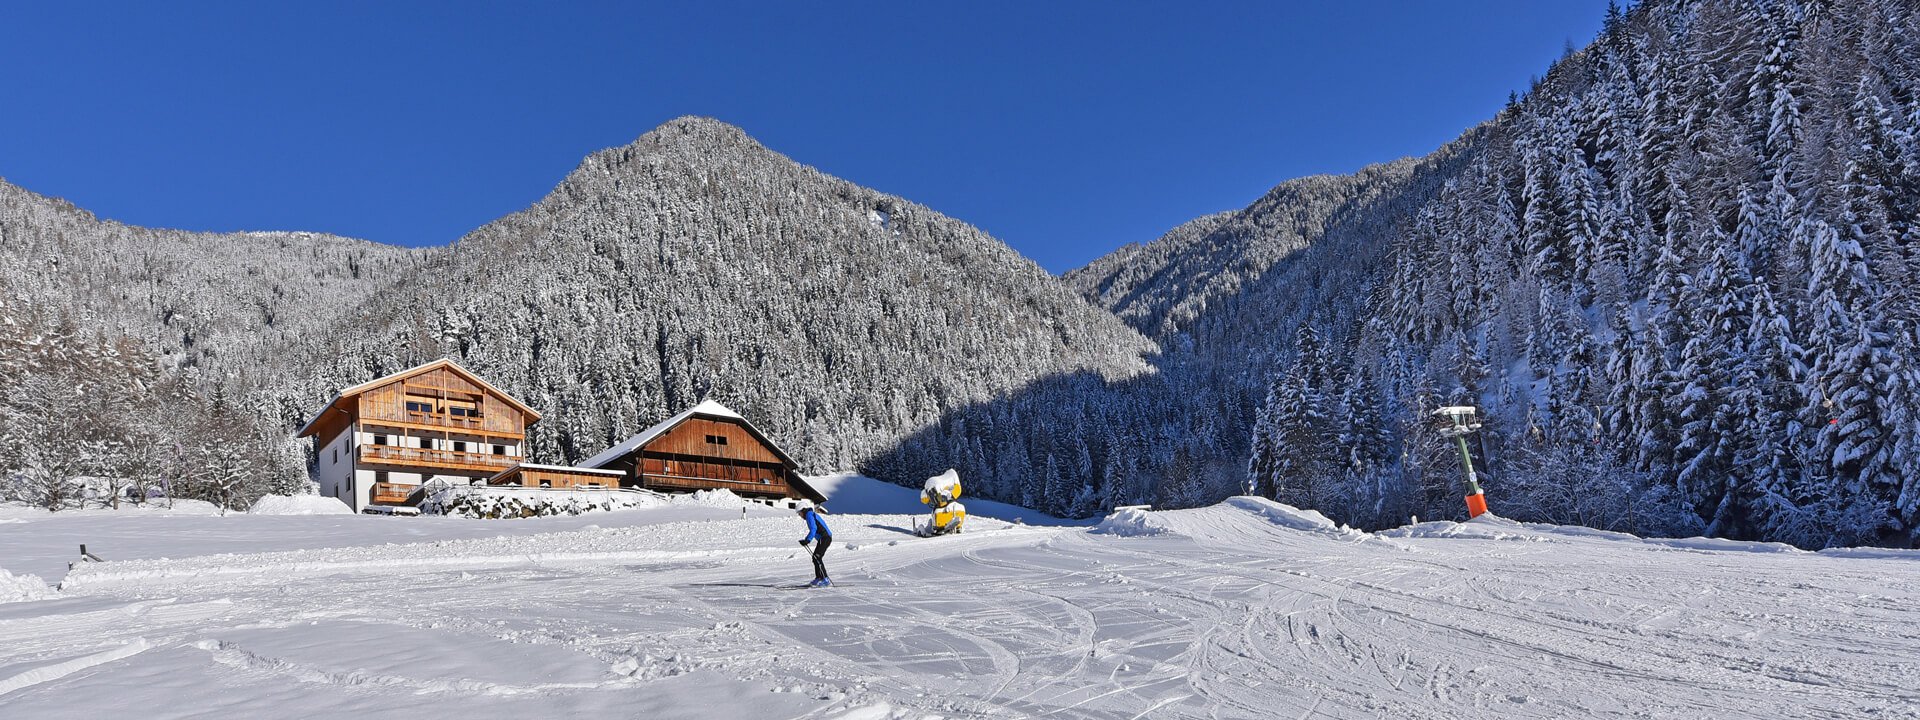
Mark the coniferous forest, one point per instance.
(1677, 274)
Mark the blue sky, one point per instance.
(1064, 128)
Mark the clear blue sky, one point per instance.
(1064, 128)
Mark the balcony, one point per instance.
(447, 421)
(393, 493)
(436, 459)
(491, 424)
(655, 481)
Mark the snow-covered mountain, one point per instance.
(136, 354)
(1163, 287)
(192, 297)
(695, 263)
(1679, 273)
(691, 263)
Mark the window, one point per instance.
(336, 453)
(461, 408)
(380, 476)
(459, 446)
(426, 444)
(424, 407)
(379, 439)
(716, 439)
(499, 449)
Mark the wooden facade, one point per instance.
(378, 442)
(557, 478)
(707, 447)
(442, 400)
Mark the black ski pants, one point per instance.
(819, 550)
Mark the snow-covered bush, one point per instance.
(494, 503)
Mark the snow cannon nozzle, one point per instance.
(1462, 419)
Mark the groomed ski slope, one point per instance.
(1248, 609)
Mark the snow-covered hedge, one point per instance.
(492, 503)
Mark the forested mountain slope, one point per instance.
(133, 355)
(696, 263)
(194, 297)
(1220, 294)
(691, 263)
(1679, 273)
(1163, 286)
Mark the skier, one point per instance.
(817, 528)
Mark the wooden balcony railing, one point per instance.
(683, 482)
(490, 424)
(441, 420)
(392, 493)
(448, 459)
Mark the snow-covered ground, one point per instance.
(1247, 609)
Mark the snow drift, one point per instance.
(20, 588)
(299, 505)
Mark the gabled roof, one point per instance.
(707, 409)
(338, 401)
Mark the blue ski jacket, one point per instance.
(816, 527)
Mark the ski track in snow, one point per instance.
(1242, 610)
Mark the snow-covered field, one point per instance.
(1247, 609)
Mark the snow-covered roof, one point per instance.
(708, 408)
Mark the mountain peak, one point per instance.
(697, 131)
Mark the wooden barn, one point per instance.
(705, 447)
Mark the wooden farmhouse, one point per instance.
(705, 447)
(379, 443)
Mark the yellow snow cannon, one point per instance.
(942, 492)
(948, 519)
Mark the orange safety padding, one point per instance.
(1476, 505)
